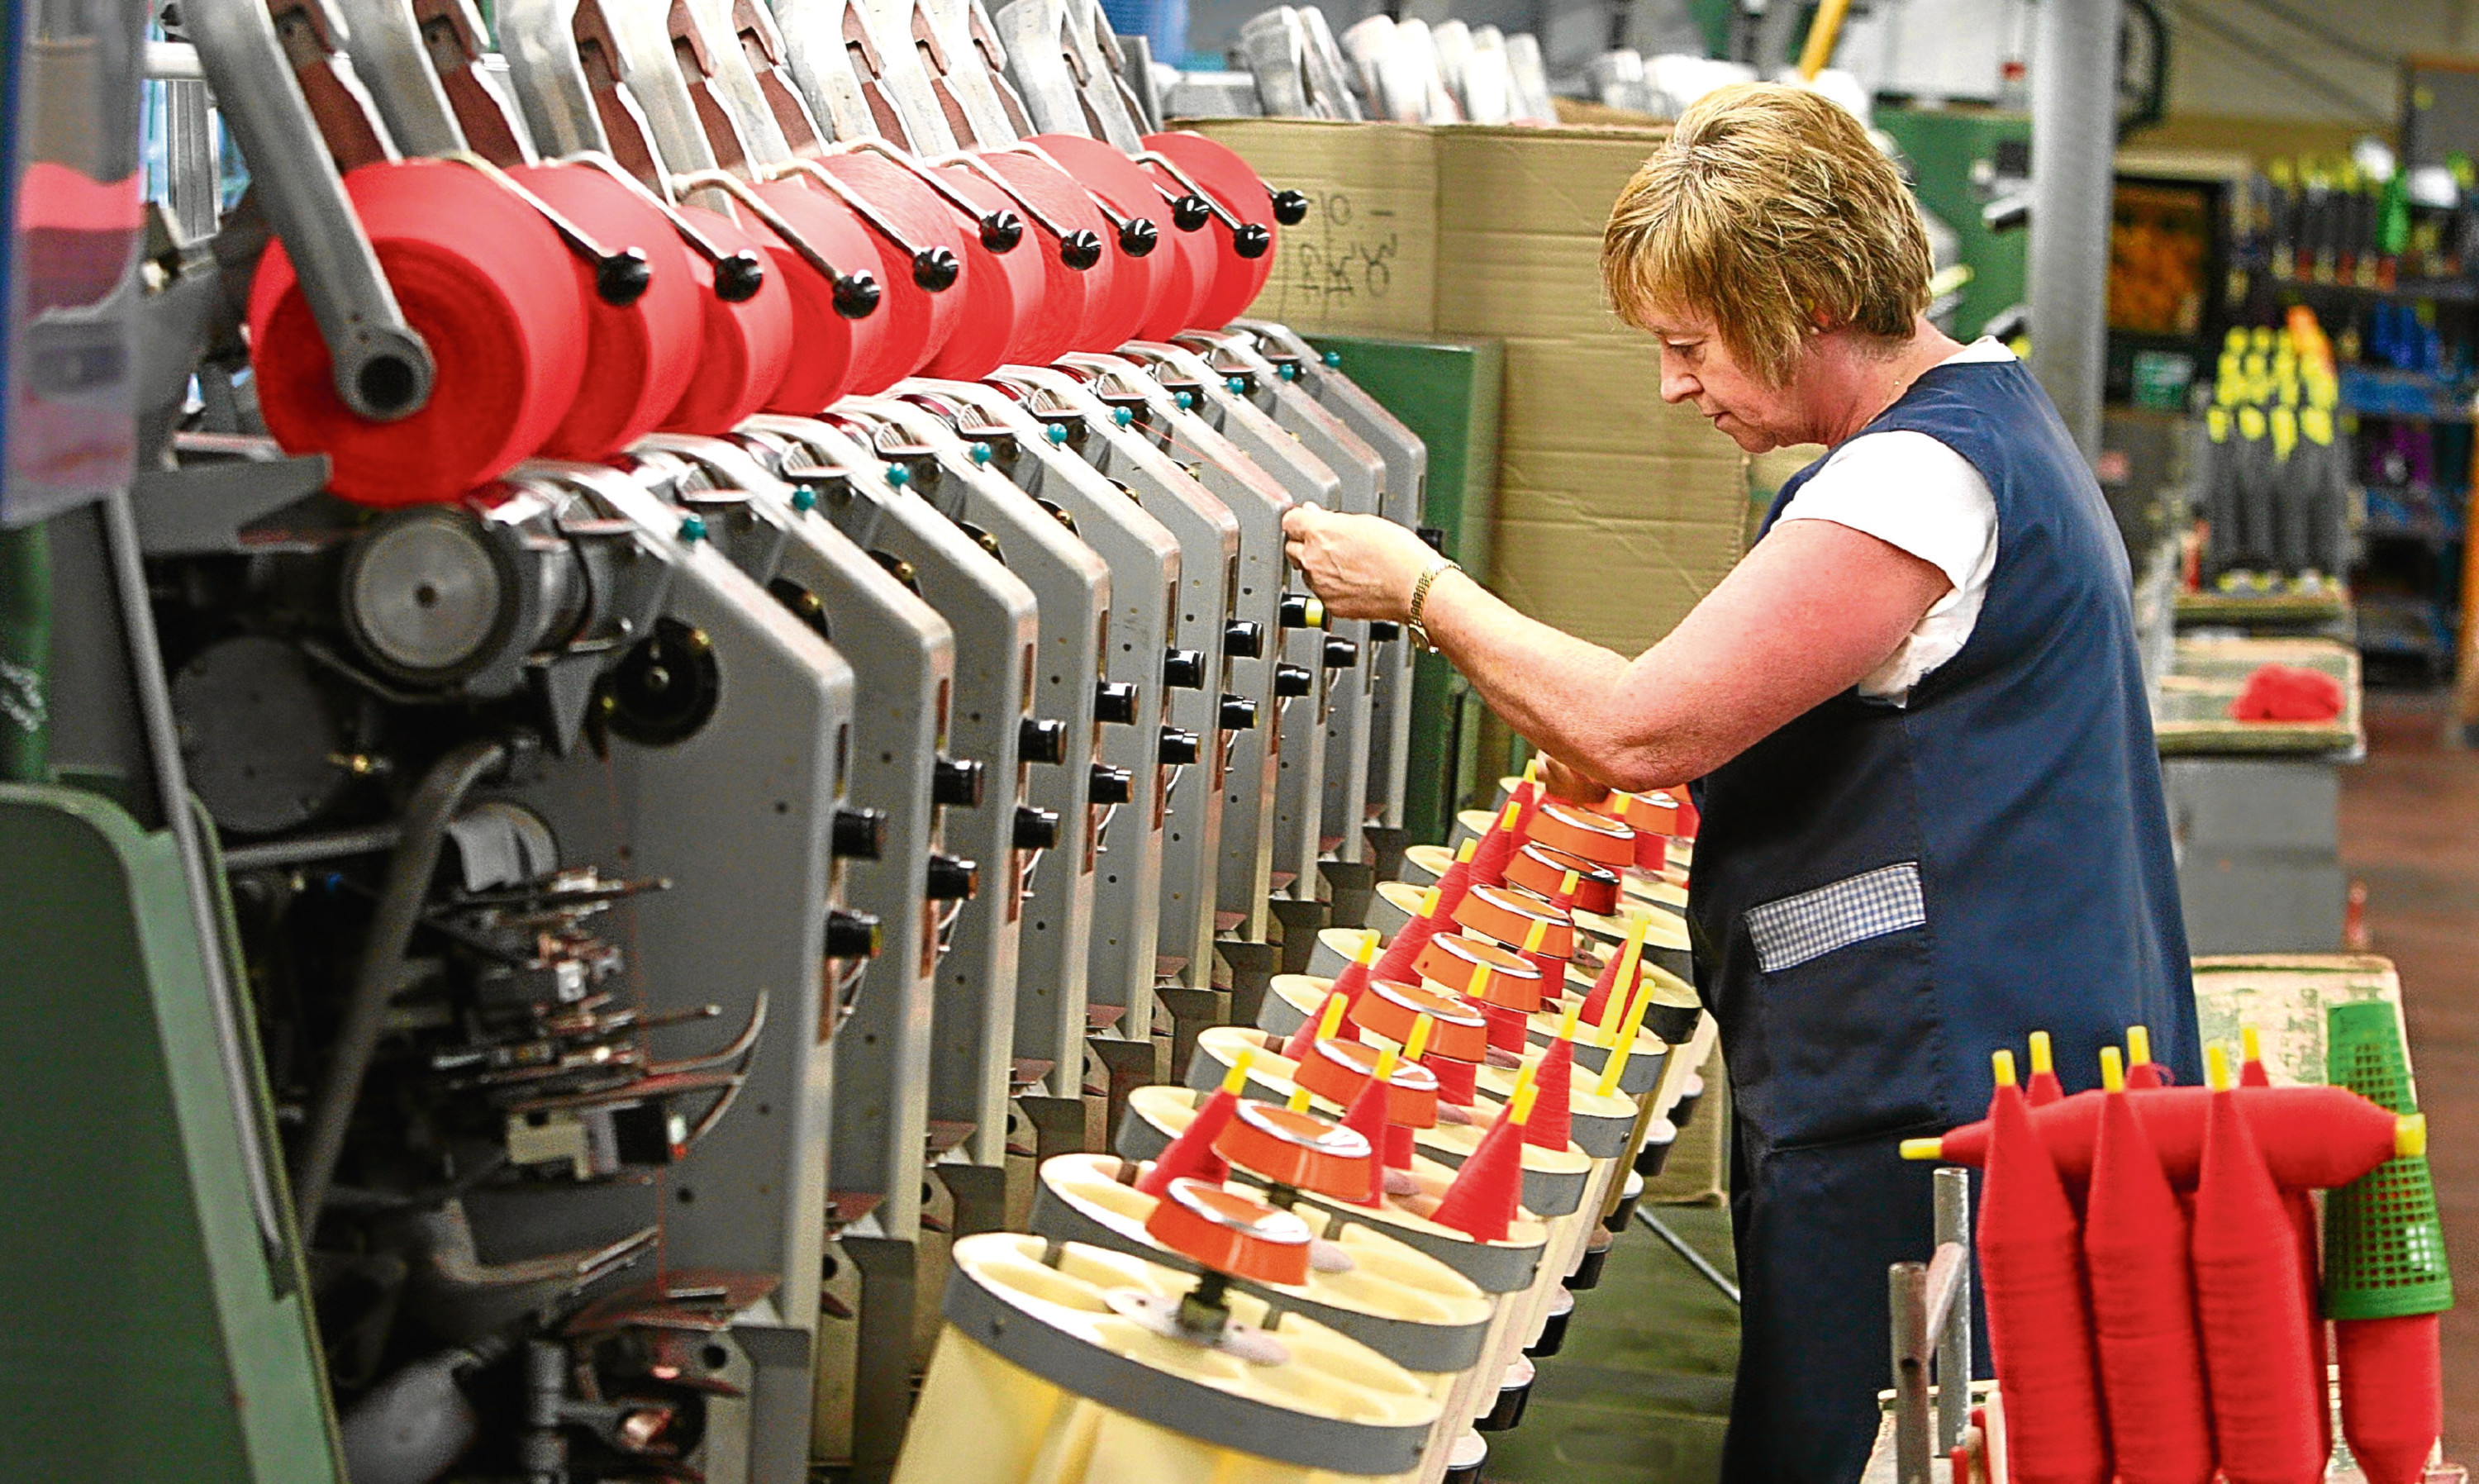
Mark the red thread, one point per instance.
(1404, 953)
(2392, 1395)
(746, 347)
(2312, 1139)
(1191, 1156)
(918, 321)
(1552, 1113)
(1481, 1200)
(1006, 291)
(831, 345)
(1234, 183)
(1138, 284)
(1069, 296)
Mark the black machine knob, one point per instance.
(1184, 669)
(1039, 740)
(1191, 212)
(738, 277)
(1115, 700)
(1080, 250)
(1112, 785)
(951, 879)
(1384, 632)
(1001, 230)
(1291, 208)
(936, 268)
(1035, 828)
(1251, 240)
(1340, 653)
(1293, 680)
(1178, 748)
(1137, 237)
(860, 834)
(956, 780)
(1238, 714)
(1243, 639)
(851, 935)
(1300, 610)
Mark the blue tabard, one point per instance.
(1884, 894)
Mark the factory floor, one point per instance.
(2410, 831)
(1640, 1393)
(1641, 1390)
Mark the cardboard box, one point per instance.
(1614, 512)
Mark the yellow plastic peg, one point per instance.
(2003, 1064)
(1298, 1102)
(2112, 1071)
(1330, 1025)
(1238, 1077)
(1623, 987)
(1624, 1045)
(2041, 1061)
(1420, 1039)
(2138, 1045)
(2216, 1067)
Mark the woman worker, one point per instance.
(1932, 817)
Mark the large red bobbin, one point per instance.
(747, 343)
(639, 356)
(489, 287)
(911, 228)
(1140, 285)
(1239, 275)
(829, 344)
(1059, 213)
(1006, 285)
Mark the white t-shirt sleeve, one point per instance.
(1910, 491)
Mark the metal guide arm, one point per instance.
(387, 52)
(383, 370)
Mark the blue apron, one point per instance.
(1883, 895)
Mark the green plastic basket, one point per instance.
(2384, 1245)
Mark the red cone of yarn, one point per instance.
(2143, 1308)
(1353, 981)
(1496, 848)
(1508, 1029)
(2043, 1088)
(1553, 1115)
(1597, 1002)
(2300, 1206)
(2247, 1300)
(2392, 1395)
(1457, 1081)
(1192, 1154)
(1306, 1035)
(1452, 888)
(913, 324)
(1690, 817)
(2312, 1138)
(1481, 1201)
(1367, 1116)
(1402, 956)
(2040, 1311)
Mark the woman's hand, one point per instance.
(1363, 567)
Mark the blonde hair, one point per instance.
(1769, 210)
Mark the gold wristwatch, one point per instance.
(1420, 600)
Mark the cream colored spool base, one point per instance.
(1294, 997)
(1022, 1386)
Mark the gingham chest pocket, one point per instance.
(1790, 931)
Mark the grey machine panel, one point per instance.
(1072, 585)
(1389, 659)
(997, 636)
(1349, 692)
(1208, 601)
(1124, 849)
(739, 817)
(1291, 811)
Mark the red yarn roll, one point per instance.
(2043, 1088)
(2145, 1076)
(489, 289)
(1402, 956)
(828, 345)
(1191, 1156)
(1352, 981)
(1690, 817)
(1530, 796)
(1453, 886)
(2300, 1206)
(2312, 1139)
(2039, 1312)
(1400, 1145)
(917, 322)
(2392, 1395)
(639, 357)
(2143, 1308)
(1306, 1035)
(1553, 1113)
(746, 347)
(1506, 1028)
(1234, 183)
(1481, 1200)
(1366, 1118)
(1651, 852)
(1496, 849)
(1139, 284)
(1457, 1081)
(1597, 1002)
(1006, 291)
(1190, 259)
(1069, 296)
(2247, 1300)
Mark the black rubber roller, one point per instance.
(1178, 748)
(1340, 653)
(1238, 714)
(1115, 702)
(1184, 669)
(1291, 681)
(951, 879)
(1112, 785)
(957, 781)
(1035, 828)
(1243, 639)
(1039, 739)
(860, 834)
(851, 935)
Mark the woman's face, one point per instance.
(1697, 367)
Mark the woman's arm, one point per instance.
(1805, 615)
